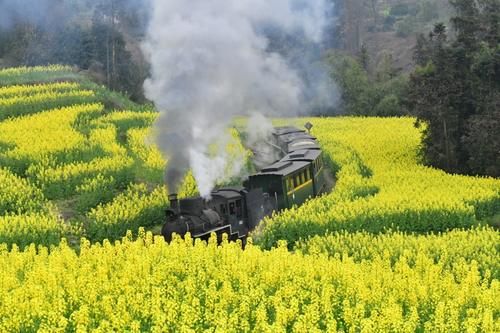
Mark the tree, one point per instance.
(364, 58)
(421, 51)
(431, 91)
(363, 95)
(455, 91)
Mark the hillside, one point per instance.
(388, 28)
(396, 247)
(74, 151)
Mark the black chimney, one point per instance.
(174, 202)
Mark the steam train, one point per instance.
(298, 175)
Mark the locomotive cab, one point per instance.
(234, 211)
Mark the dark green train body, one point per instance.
(298, 175)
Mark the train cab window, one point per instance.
(232, 208)
(239, 209)
(223, 209)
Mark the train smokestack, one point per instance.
(174, 202)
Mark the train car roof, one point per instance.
(228, 192)
(302, 144)
(282, 168)
(286, 130)
(307, 155)
(287, 138)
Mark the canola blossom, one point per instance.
(481, 244)
(22, 105)
(148, 285)
(29, 90)
(37, 74)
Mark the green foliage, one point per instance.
(388, 106)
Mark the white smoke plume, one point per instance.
(210, 61)
(259, 139)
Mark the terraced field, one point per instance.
(397, 247)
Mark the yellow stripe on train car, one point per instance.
(299, 187)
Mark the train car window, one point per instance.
(302, 178)
(297, 179)
(295, 182)
(289, 182)
(223, 209)
(239, 210)
(306, 172)
(231, 208)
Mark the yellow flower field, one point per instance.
(396, 246)
(147, 285)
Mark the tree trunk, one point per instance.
(447, 145)
(374, 9)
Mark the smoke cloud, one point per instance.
(212, 60)
(259, 131)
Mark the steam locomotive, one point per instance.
(235, 211)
